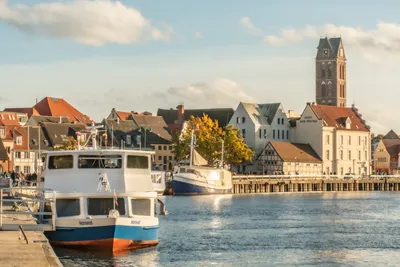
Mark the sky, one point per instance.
(141, 55)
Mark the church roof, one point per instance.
(334, 43)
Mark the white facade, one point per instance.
(259, 124)
(342, 150)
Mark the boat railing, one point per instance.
(38, 204)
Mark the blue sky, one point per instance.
(144, 54)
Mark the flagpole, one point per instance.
(115, 196)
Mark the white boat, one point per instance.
(200, 180)
(104, 198)
(158, 180)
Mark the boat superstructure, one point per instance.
(104, 198)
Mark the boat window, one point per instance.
(138, 162)
(102, 206)
(100, 162)
(141, 207)
(67, 207)
(61, 162)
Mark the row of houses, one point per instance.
(321, 140)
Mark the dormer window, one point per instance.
(348, 123)
(243, 119)
(2, 133)
(18, 140)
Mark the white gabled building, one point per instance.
(339, 136)
(260, 124)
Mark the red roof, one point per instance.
(29, 111)
(8, 118)
(50, 106)
(123, 115)
(337, 116)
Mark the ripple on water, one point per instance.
(332, 229)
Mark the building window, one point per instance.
(244, 133)
(2, 133)
(329, 72)
(349, 154)
(365, 140)
(17, 155)
(359, 155)
(359, 140)
(279, 136)
(27, 169)
(265, 133)
(327, 139)
(238, 120)
(259, 133)
(170, 147)
(283, 134)
(287, 134)
(26, 155)
(170, 157)
(349, 140)
(323, 72)
(323, 89)
(327, 154)
(341, 154)
(366, 155)
(273, 134)
(350, 170)
(159, 157)
(165, 147)
(19, 140)
(341, 171)
(159, 147)
(341, 139)
(243, 119)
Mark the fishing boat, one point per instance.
(199, 179)
(104, 198)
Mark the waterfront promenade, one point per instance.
(244, 184)
(15, 250)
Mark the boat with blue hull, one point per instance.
(200, 180)
(104, 198)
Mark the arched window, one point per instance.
(329, 89)
(329, 102)
(329, 72)
(323, 89)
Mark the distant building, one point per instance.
(259, 124)
(175, 118)
(290, 158)
(392, 144)
(55, 134)
(340, 137)
(4, 159)
(380, 158)
(37, 120)
(55, 107)
(330, 73)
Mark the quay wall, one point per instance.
(261, 184)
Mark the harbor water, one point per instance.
(321, 229)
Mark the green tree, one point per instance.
(69, 144)
(209, 137)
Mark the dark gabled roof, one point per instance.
(391, 135)
(119, 129)
(3, 151)
(269, 110)
(264, 114)
(54, 119)
(35, 139)
(334, 44)
(222, 115)
(56, 132)
(159, 129)
(295, 152)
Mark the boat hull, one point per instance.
(187, 187)
(110, 237)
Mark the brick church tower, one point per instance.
(330, 71)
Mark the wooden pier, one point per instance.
(274, 184)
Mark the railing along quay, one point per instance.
(244, 184)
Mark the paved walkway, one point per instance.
(15, 252)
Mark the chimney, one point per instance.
(60, 120)
(181, 113)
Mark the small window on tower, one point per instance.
(329, 73)
(323, 73)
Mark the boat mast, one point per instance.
(222, 155)
(191, 149)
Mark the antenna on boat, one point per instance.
(191, 149)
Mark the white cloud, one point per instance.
(87, 22)
(384, 38)
(198, 35)
(217, 93)
(248, 25)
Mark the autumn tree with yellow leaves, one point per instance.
(209, 137)
(69, 144)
